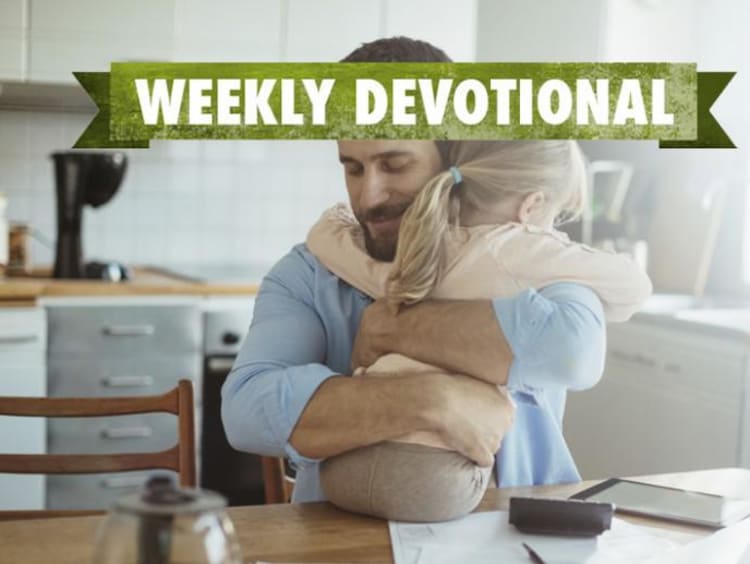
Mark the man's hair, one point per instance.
(397, 50)
(402, 49)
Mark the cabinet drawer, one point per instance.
(136, 376)
(137, 330)
(22, 330)
(94, 491)
(121, 434)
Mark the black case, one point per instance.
(560, 516)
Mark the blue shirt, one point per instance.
(302, 333)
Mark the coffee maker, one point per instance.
(81, 178)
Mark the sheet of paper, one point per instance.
(730, 546)
(488, 537)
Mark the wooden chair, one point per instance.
(180, 458)
(277, 485)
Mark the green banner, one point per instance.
(669, 102)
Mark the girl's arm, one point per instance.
(553, 337)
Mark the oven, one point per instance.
(236, 475)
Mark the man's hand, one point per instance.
(460, 336)
(377, 325)
(470, 415)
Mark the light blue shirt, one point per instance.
(302, 333)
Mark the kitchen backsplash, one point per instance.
(181, 202)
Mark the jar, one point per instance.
(164, 524)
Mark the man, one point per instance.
(289, 394)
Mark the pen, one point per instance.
(535, 558)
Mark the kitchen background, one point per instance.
(229, 202)
(674, 395)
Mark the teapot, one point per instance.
(164, 524)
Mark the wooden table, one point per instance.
(317, 532)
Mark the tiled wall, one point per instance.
(195, 202)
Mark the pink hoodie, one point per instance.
(483, 262)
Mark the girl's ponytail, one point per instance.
(420, 254)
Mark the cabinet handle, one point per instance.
(219, 364)
(128, 382)
(126, 432)
(17, 339)
(123, 482)
(129, 330)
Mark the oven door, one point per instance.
(236, 475)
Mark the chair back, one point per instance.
(180, 458)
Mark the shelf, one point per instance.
(45, 97)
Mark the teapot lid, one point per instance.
(160, 496)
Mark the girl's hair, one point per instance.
(490, 172)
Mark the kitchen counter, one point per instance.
(146, 281)
(729, 320)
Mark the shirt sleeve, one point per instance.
(538, 259)
(557, 336)
(280, 364)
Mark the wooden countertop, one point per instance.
(25, 290)
(318, 532)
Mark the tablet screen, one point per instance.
(671, 503)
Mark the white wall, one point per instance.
(202, 202)
(538, 31)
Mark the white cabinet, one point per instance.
(587, 30)
(48, 40)
(12, 39)
(451, 26)
(118, 347)
(670, 400)
(227, 30)
(328, 30)
(87, 35)
(543, 31)
(22, 373)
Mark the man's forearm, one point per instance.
(461, 336)
(347, 413)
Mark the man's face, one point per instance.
(383, 178)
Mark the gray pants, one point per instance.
(404, 482)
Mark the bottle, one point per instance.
(4, 235)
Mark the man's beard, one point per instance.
(382, 248)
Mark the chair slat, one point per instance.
(186, 423)
(89, 407)
(89, 463)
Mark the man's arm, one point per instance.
(280, 384)
(347, 413)
(555, 336)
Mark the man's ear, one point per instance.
(532, 207)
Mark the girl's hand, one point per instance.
(376, 328)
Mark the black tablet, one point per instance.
(672, 504)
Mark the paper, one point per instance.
(728, 546)
(488, 538)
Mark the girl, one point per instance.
(484, 228)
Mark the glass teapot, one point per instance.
(163, 524)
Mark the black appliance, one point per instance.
(236, 475)
(81, 178)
